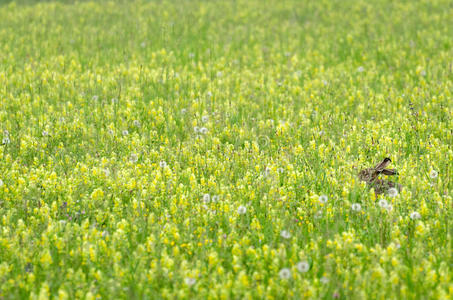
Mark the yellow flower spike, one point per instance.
(46, 259)
(423, 208)
(420, 229)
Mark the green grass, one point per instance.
(104, 172)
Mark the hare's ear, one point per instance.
(389, 172)
(381, 166)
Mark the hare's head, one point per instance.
(369, 175)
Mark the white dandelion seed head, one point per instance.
(303, 266)
(45, 133)
(183, 111)
(114, 100)
(383, 203)
(204, 119)
(280, 170)
(393, 192)
(190, 281)
(415, 215)
(242, 210)
(215, 198)
(95, 98)
(360, 69)
(203, 130)
(219, 74)
(191, 55)
(134, 158)
(206, 198)
(209, 94)
(285, 273)
(125, 132)
(325, 82)
(356, 207)
(162, 163)
(136, 123)
(324, 280)
(433, 174)
(322, 199)
(106, 172)
(1, 182)
(423, 73)
(143, 44)
(285, 234)
(196, 129)
(6, 140)
(267, 171)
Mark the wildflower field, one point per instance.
(211, 149)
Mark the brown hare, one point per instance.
(370, 176)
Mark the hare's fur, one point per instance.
(370, 176)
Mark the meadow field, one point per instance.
(211, 149)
